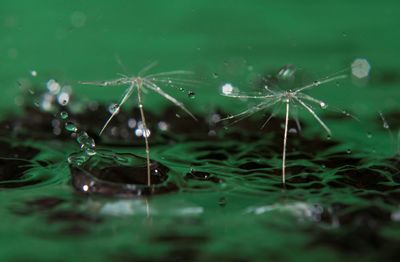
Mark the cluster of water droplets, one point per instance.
(87, 143)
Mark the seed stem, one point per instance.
(145, 134)
(284, 145)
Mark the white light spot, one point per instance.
(215, 118)
(33, 73)
(162, 126)
(190, 211)
(227, 89)
(323, 105)
(132, 123)
(141, 131)
(85, 188)
(63, 98)
(396, 216)
(53, 86)
(360, 68)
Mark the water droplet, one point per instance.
(63, 98)
(85, 141)
(360, 68)
(222, 201)
(113, 109)
(316, 83)
(53, 86)
(348, 151)
(215, 75)
(78, 159)
(178, 115)
(287, 72)
(369, 135)
(191, 94)
(90, 151)
(345, 113)
(323, 105)
(385, 125)
(69, 126)
(328, 137)
(33, 73)
(292, 131)
(227, 89)
(162, 126)
(63, 115)
(141, 131)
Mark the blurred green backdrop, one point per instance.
(80, 40)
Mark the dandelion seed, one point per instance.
(277, 98)
(142, 83)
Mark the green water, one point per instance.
(342, 195)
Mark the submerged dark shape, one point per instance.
(39, 205)
(120, 174)
(14, 163)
